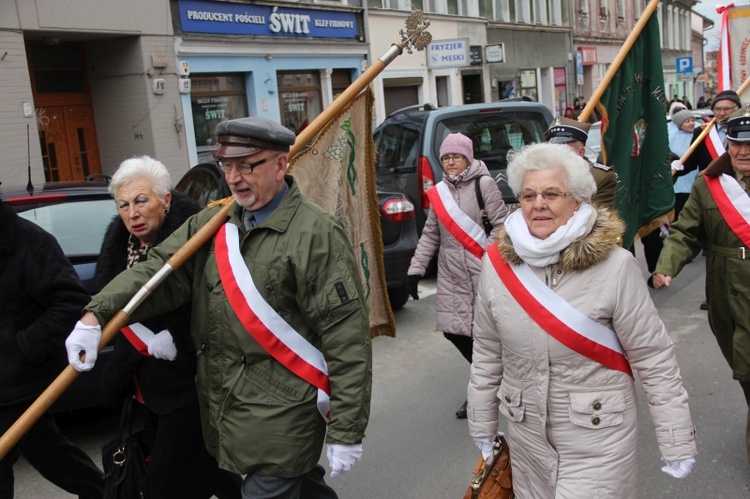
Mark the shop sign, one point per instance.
(448, 53)
(475, 55)
(227, 18)
(495, 53)
(589, 55)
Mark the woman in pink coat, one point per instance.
(455, 227)
(563, 320)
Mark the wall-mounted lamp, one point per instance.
(269, 57)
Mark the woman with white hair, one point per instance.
(155, 362)
(562, 320)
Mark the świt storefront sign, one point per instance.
(200, 16)
(448, 53)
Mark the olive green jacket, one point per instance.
(256, 414)
(727, 276)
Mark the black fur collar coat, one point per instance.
(166, 386)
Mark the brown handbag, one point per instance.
(494, 480)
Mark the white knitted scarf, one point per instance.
(542, 252)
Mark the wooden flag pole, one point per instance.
(415, 36)
(707, 129)
(617, 62)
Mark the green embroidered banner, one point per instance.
(634, 136)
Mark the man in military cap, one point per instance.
(574, 134)
(279, 322)
(717, 215)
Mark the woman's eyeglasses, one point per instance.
(549, 195)
(242, 168)
(455, 157)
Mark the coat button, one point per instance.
(597, 405)
(507, 399)
(209, 287)
(510, 412)
(595, 421)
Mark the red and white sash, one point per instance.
(733, 203)
(139, 336)
(714, 144)
(469, 233)
(558, 318)
(263, 323)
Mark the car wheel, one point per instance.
(398, 297)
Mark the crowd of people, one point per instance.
(255, 354)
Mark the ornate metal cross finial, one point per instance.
(416, 34)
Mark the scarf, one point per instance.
(455, 179)
(542, 252)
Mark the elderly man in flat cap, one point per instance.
(278, 321)
(717, 214)
(574, 134)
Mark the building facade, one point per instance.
(89, 84)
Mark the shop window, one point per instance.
(528, 83)
(340, 81)
(300, 98)
(215, 98)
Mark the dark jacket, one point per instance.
(165, 385)
(700, 158)
(41, 298)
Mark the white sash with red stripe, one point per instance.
(263, 323)
(733, 203)
(139, 336)
(558, 318)
(714, 144)
(466, 231)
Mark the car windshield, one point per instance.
(493, 134)
(78, 226)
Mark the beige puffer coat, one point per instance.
(573, 422)
(458, 269)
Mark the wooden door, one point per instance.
(65, 116)
(67, 137)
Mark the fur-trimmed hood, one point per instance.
(113, 255)
(588, 250)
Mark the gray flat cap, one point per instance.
(246, 136)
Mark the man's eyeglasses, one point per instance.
(724, 109)
(455, 157)
(549, 195)
(242, 168)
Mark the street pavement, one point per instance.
(416, 448)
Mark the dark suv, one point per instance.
(408, 144)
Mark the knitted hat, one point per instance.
(676, 107)
(458, 143)
(726, 95)
(681, 117)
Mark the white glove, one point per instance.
(84, 339)
(677, 166)
(679, 469)
(343, 457)
(486, 444)
(162, 346)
